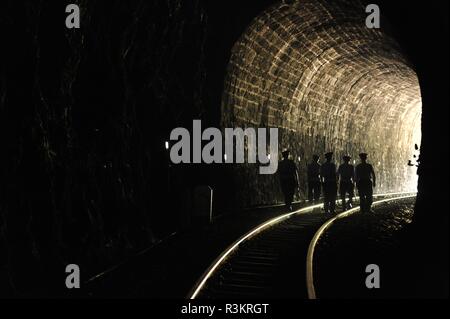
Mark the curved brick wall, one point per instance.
(315, 71)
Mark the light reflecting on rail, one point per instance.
(227, 252)
(321, 230)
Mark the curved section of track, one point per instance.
(271, 260)
(321, 231)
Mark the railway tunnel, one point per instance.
(314, 70)
(87, 177)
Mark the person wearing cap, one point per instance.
(313, 171)
(346, 173)
(365, 181)
(288, 174)
(329, 183)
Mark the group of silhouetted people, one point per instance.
(325, 178)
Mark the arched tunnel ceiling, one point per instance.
(314, 70)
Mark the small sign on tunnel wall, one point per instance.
(203, 198)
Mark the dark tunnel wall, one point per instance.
(314, 70)
(84, 114)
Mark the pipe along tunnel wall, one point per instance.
(314, 70)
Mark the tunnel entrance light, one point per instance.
(352, 93)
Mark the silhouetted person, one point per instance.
(346, 173)
(314, 179)
(287, 171)
(329, 183)
(365, 181)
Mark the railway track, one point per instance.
(275, 259)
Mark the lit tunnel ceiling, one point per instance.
(313, 69)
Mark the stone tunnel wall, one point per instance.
(314, 70)
(84, 114)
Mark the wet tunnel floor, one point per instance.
(379, 238)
